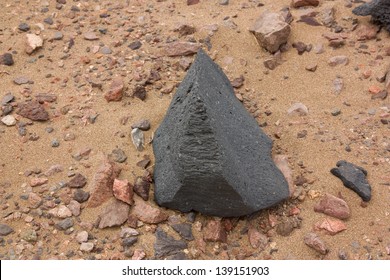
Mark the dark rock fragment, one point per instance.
(33, 110)
(354, 178)
(135, 45)
(185, 230)
(24, 27)
(139, 92)
(141, 187)
(78, 181)
(5, 230)
(211, 155)
(167, 247)
(6, 59)
(379, 11)
(65, 224)
(80, 196)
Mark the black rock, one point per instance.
(354, 178)
(80, 196)
(6, 59)
(64, 224)
(379, 11)
(166, 247)
(5, 230)
(211, 155)
(78, 181)
(24, 27)
(135, 45)
(185, 230)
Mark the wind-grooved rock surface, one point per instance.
(379, 11)
(211, 155)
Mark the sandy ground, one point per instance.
(274, 91)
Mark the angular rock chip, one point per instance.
(215, 231)
(332, 226)
(137, 136)
(304, 3)
(185, 230)
(147, 213)
(379, 10)
(5, 230)
(33, 110)
(142, 187)
(166, 247)
(333, 206)
(115, 214)
(354, 178)
(271, 31)
(115, 92)
(211, 155)
(6, 59)
(313, 241)
(102, 183)
(257, 239)
(181, 48)
(123, 191)
(33, 42)
(78, 181)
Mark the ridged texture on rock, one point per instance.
(211, 155)
(379, 11)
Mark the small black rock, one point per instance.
(80, 196)
(5, 230)
(354, 178)
(6, 59)
(65, 224)
(135, 45)
(185, 230)
(166, 246)
(24, 27)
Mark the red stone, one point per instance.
(123, 191)
(33, 110)
(147, 213)
(304, 3)
(313, 241)
(215, 231)
(333, 206)
(257, 239)
(116, 90)
(332, 226)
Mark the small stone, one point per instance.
(7, 99)
(29, 235)
(380, 95)
(184, 29)
(102, 183)
(33, 42)
(335, 112)
(271, 31)
(115, 214)
(90, 36)
(34, 200)
(319, 49)
(270, 63)
(354, 178)
(58, 35)
(331, 226)
(137, 136)
(61, 212)
(24, 27)
(224, 2)
(333, 206)
(35, 182)
(142, 124)
(313, 241)
(5, 230)
(185, 230)
(74, 207)
(281, 162)
(82, 236)
(8, 120)
(192, 2)
(147, 213)
(144, 163)
(33, 110)
(21, 80)
(141, 187)
(80, 196)
(65, 224)
(86, 246)
(129, 241)
(135, 45)
(338, 60)
(311, 67)
(55, 143)
(257, 239)
(118, 155)
(299, 109)
(338, 85)
(105, 50)
(366, 32)
(6, 59)
(166, 247)
(238, 82)
(139, 92)
(214, 231)
(116, 90)
(78, 181)
(139, 254)
(326, 16)
(300, 47)
(304, 3)
(123, 191)
(48, 20)
(179, 48)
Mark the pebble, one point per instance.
(184, 229)
(86, 246)
(180, 48)
(257, 239)
(313, 241)
(135, 45)
(78, 181)
(8, 120)
(139, 92)
(147, 213)
(333, 206)
(6, 59)
(214, 231)
(21, 80)
(338, 85)
(311, 67)
(332, 226)
(5, 230)
(34, 200)
(82, 236)
(137, 136)
(64, 224)
(142, 124)
(58, 35)
(105, 50)
(33, 42)
(304, 3)
(80, 196)
(115, 214)
(223, 2)
(61, 212)
(33, 110)
(24, 27)
(36, 182)
(115, 92)
(90, 36)
(127, 232)
(166, 247)
(74, 207)
(335, 112)
(142, 187)
(29, 235)
(123, 191)
(129, 241)
(338, 60)
(118, 155)
(55, 143)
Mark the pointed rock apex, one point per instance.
(211, 155)
(379, 11)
